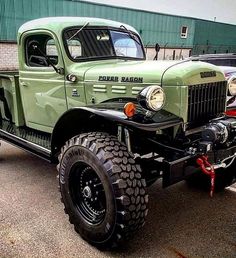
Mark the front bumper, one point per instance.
(181, 168)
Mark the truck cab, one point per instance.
(74, 46)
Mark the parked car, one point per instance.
(224, 59)
(231, 98)
(228, 71)
(230, 75)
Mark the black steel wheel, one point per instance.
(87, 193)
(102, 189)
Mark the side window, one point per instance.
(37, 48)
(51, 51)
(74, 47)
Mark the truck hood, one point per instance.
(174, 73)
(119, 79)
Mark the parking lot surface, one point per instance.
(182, 221)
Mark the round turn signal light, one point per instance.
(129, 109)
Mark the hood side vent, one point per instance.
(118, 89)
(136, 89)
(100, 88)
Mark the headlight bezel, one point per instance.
(146, 97)
(232, 84)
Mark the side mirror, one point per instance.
(34, 45)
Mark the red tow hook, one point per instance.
(209, 170)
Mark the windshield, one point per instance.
(102, 43)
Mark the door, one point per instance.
(42, 88)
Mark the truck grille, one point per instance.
(206, 101)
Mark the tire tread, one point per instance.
(128, 186)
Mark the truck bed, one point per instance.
(10, 97)
(12, 121)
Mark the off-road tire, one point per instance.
(126, 198)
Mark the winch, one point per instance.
(221, 131)
(218, 133)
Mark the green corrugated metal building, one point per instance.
(214, 37)
(202, 36)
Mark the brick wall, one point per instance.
(8, 56)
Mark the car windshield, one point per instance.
(102, 43)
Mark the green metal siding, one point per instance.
(203, 36)
(213, 37)
(153, 27)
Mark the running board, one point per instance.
(33, 141)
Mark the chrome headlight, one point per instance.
(152, 98)
(232, 86)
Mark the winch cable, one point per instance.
(208, 169)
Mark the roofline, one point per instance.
(151, 12)
(43, 23)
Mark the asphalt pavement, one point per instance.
(182, 221)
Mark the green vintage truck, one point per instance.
(86, 98)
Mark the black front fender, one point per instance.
(159, 120)
(102, 118)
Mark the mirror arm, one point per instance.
(57, 70)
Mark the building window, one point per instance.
(184, 32)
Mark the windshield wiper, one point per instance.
(78, 31)
(132, 36)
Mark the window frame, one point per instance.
(184, 35)
(101, 57)
(24, 39)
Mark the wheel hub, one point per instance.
(87, 192)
